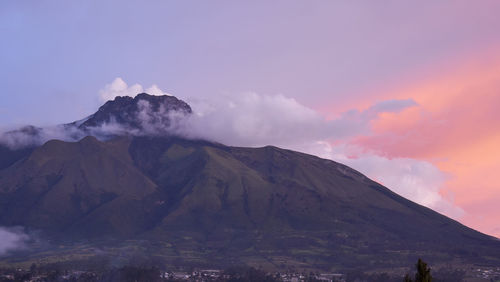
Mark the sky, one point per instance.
(405, 92)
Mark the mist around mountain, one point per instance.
(127, 185)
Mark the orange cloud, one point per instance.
(457, 127)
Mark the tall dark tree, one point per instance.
(423, 273)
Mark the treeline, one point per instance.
(422, 273)
(131, 274)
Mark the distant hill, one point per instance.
(194, 202)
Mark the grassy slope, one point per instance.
(192, 202)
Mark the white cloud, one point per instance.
(118, 87)
(250, 119)
(417, 180)
(29, 136)
(155, 90)
(12, 239)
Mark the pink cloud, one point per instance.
(455, 126)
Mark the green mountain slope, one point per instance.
(200, 203)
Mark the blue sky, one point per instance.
(56, 55)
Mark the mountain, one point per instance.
(176, 201)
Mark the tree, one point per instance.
(423, 273)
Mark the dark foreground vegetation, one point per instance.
(421, 273)
(137, 274)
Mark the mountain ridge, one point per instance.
(198, 202)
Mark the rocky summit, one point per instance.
(134, 113)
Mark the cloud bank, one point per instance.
(12, 239)
(31, 136)
(417, 180)
(250, 119)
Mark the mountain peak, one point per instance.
(137, 113)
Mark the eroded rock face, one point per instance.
(143, 112)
